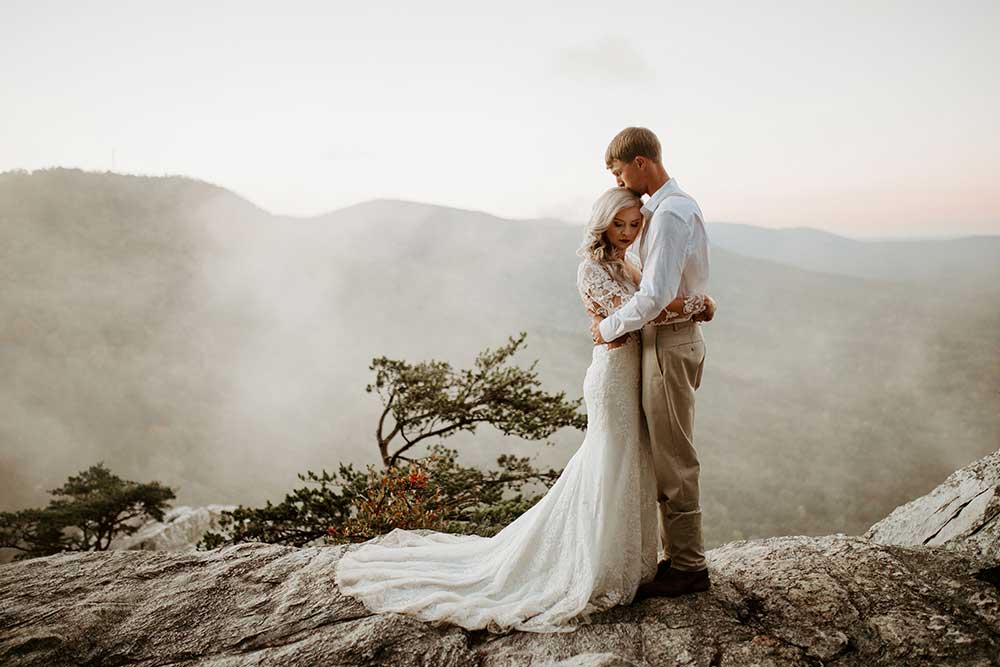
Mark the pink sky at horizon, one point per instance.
(866, 119)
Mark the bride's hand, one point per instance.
(709, 312)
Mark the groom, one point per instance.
(673, 251)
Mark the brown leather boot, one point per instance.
(675, 582)
(661, 568)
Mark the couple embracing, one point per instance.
(623, 520)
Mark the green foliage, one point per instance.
(434, 492)
(304, 515)
(90, 510)
(431, 400)
(421, 402)
(439, 493)
(399, 496)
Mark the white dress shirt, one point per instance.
(673, 254)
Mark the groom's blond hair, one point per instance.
(630, 143)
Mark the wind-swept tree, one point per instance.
(422, 404)
(89, 510)
(431, 400)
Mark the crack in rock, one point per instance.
(955, 514)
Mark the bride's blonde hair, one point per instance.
(595, 244)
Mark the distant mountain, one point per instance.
(964, 263)
(180, 333)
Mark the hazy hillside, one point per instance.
(180, 333)
(970, 263)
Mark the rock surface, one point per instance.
(962, 513)
(181, 529)
(832, 600)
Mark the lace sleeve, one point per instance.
(693, 305)
(600, 293)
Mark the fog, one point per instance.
(181, 334)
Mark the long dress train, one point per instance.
(584, 547)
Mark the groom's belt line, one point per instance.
(686, 325)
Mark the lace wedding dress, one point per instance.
(584, 547)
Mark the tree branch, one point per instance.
(454, 426)
(383, 443)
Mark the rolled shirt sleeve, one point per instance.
(666, 249)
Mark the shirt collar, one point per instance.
(658, 196)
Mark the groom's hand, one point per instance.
(595, 329)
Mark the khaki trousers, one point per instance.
(673, 359)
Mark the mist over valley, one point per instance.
(180, 333)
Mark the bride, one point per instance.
(592, 539)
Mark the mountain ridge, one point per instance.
(220, 333)
(379, 201)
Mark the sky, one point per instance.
(867, 119)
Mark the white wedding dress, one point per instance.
(584, 547)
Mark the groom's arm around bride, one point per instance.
(674, 255)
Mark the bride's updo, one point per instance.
(595, 244)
